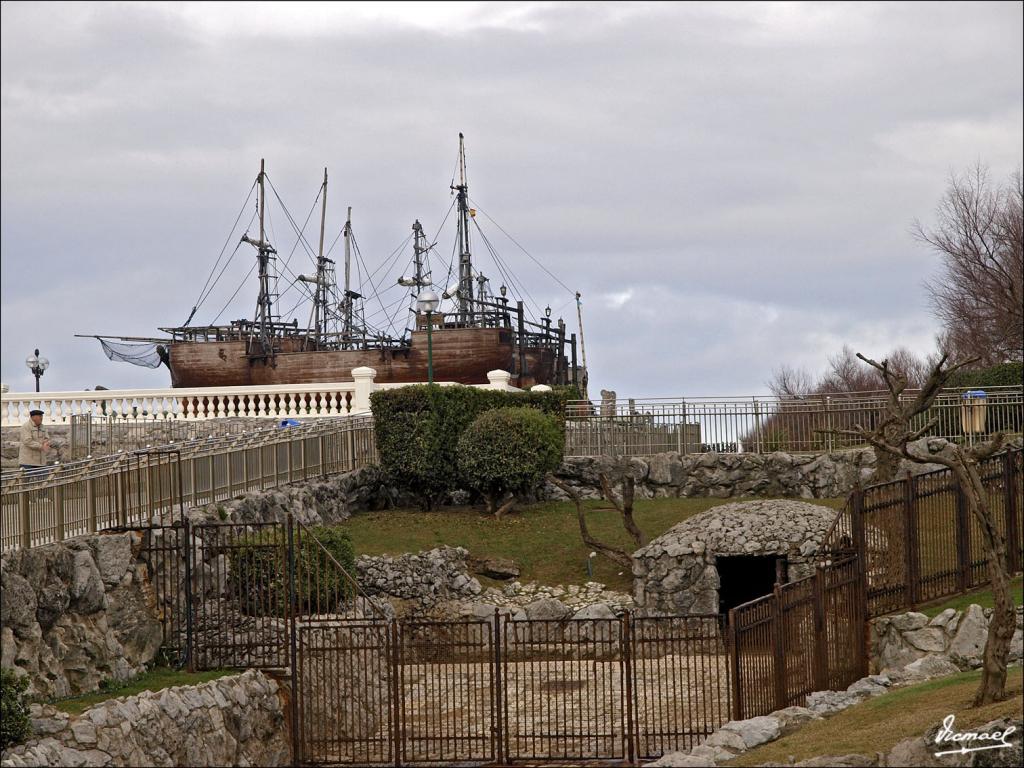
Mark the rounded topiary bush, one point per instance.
(14, 720)
(506, 451)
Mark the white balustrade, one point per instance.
(201, 403)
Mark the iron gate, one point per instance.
(504, 691)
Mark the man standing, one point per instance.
(34, 443)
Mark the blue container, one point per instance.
(285, 423)
(974, 394)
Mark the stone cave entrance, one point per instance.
(743, 578)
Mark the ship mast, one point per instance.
(418, 249)
(347, 303)
(465, 258)
(265, 302)
(320, 302)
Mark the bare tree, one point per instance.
(979, 295)
(615, 554)
(789, 383)
(895, 435)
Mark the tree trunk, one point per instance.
(505, 506)
(612, 553)
(625, 506)
(1003, 621)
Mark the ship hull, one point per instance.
(463, 355)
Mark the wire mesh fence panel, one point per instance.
(754, 667)
(563, 688)
(345, 684)
(679, 676)
(919, 540)
(448, 689)
(164, 550)
(240, 582)
(840, 625)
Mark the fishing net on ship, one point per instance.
(145, 354)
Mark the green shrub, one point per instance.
(14, 721)
(418, 428)
(508, 451)
(259, 571)
(1003, 375)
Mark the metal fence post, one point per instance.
(90, 503)
(629, 726)
(396, 689)
(1010, 509)
(323, 457)
(26, 520)
(498, 708)
(821, 671)
(757, 428)
(292, 645)
(910, 541)
(186, 541)
(734, 664)
(963, 541)
(58, 509)
(778, 655)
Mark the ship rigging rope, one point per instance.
(359, 259)
(506, 271)
(287, 261)
(518, 245)
(203, 294)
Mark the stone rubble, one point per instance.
(232, 721)
(958, 637)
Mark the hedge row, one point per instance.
(418, 429)
(1003, 375)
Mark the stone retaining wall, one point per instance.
(423, 578)
(724, 475)
(77, 613)
(959, 636)
(237, 720)
(312, 502)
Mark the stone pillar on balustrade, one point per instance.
(499, 380)
(364, 385)
(540, 388)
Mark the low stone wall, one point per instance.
(237, 720)
(312, 502)
(724, 475)
(959, 636)
(423, 578)
(77, 613)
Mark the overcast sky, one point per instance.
(730, 187)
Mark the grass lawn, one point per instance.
(155, 679)
(982, 597)
(876, 725)
(543, 539)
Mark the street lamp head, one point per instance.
(547, 311)
(427, 301)
(35, 362)
(504, 290)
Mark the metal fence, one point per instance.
(144, 488)
(373, 690)
(918, 540)
(641, 427)
(92, 435)
(806, 636)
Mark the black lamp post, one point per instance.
(37, 365)
(427, 302)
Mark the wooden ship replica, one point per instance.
(476, 332)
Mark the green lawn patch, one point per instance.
(155, 679)
(876, 725)
(982, 597)
(543, 539)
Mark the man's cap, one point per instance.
(35, 412)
